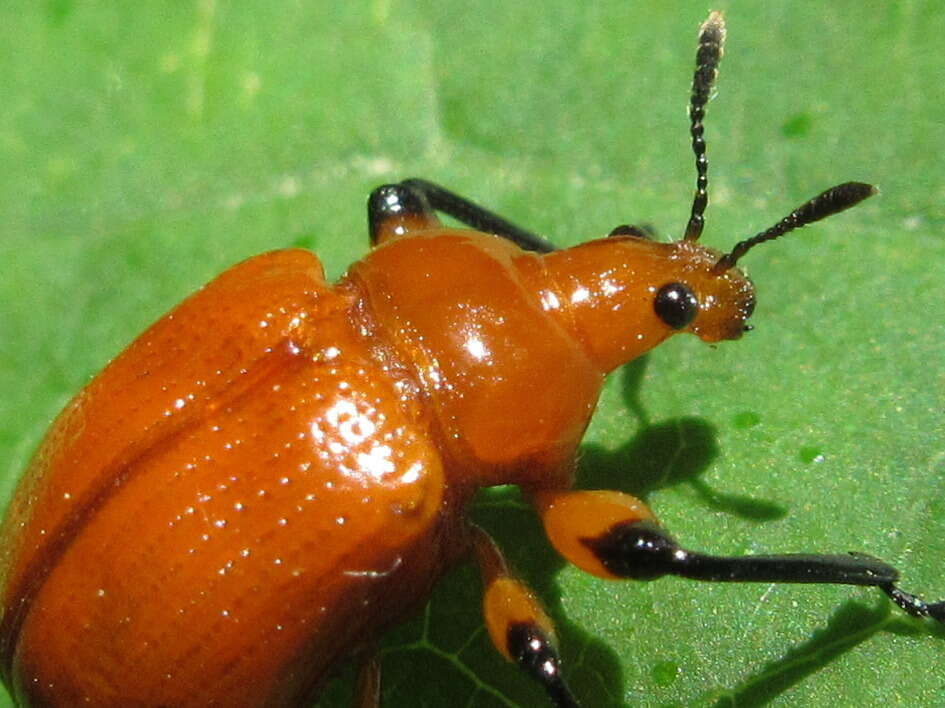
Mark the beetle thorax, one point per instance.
(511, 387)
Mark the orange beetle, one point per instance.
(279, 467)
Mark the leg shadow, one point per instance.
(664, 454)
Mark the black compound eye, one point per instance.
(676, 305)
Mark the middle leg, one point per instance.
(518, 625)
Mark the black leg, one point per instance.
(535, 653)
(476, 216)
(518, 626)
(394, 209)
(643, 551)
(644, 231)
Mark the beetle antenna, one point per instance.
(833, 201)
(708, 56)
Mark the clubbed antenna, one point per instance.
(833, 201)
(708, 56)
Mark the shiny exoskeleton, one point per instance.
(279, 467)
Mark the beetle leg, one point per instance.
(643, 231)
(367, 693)
(476, 216)
(395, 209)
(614, 535)
(516, 621)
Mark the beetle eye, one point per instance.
(676, 305)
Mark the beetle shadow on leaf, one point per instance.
(664, 454)
(849, 627)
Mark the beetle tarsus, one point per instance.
(914, 605)
(535, 652)
(641, 550)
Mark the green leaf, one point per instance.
(147, 146)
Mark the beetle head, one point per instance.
(717, 298)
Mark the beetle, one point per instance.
(279, 467)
